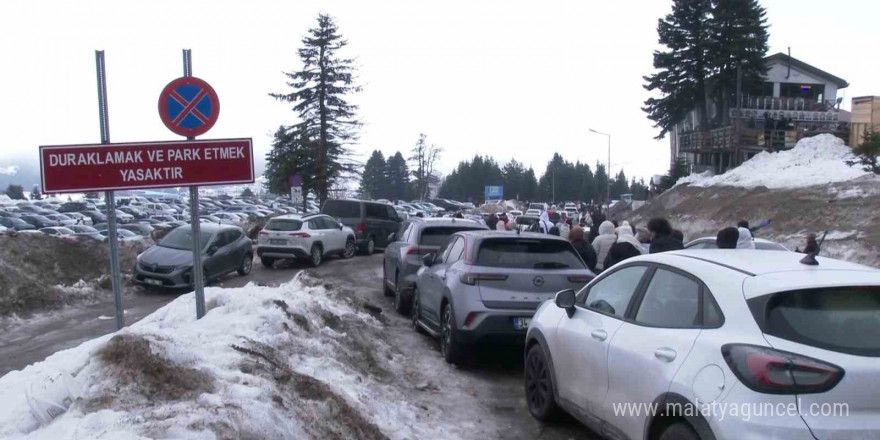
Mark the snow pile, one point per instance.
(296, 361)
(817, 160)
(6, 200)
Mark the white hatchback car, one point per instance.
(713, 344)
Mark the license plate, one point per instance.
(277, 241)
(153, 282)
(521, 323)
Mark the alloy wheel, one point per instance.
(538, 387)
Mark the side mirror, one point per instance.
(341, 226)
(392, 237)
(565, 300)
(428, 260)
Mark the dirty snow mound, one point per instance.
(296, 361)
(817, 160)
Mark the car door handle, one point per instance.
(599, 335)
(665, 354)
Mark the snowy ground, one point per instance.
(296, 361)
(813, 161)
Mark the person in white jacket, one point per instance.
(603, 242)
(745, 239)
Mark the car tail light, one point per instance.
(264, 234)
(360, 227)
(416, 250)
(299, 234)
(472, 278)
(580, 278)
(469, 318)
(771, 371)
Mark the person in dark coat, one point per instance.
(661, 236)
(584, 249)
(727, 238)
(492, 221)
(626, 246)
(678, 235)
(812, 247)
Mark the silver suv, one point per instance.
(485, 286)
(304, 237)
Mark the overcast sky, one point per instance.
(510, 79)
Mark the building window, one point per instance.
(814, 93)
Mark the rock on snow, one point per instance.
(813, 161)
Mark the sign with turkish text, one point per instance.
(123, 166)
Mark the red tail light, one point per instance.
(469, 318)
(580, 279)
(472, 278)
(416, 250)
(264, 234)
(361, 227)
(770, 371)
(299, 234)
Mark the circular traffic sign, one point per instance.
(189, 106)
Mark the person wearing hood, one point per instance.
(603, 242)
(625, 247)
(564, 229)
(644, 238)
(661, 236)
(745, 239)
(492, 221)
(584, 249)
(544, 224)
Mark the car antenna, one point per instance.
(810, 259)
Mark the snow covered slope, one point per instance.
(296, 361)
(813, 161)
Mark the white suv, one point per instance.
(304, 237)
(713, 344)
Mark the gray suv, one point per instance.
(372, 222)
(485, 286)
(416, 238)
(308, 237)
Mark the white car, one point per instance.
(730, 344)
(535, 212)
(760, 244)
(305, 237)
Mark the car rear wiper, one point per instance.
(550, 265)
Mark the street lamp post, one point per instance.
(608, 171)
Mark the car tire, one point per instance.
(387, 291)
(370, 247)
(268, 262)
(350, 249)
(540, 398)
(452, 350)
(247, 263)
(401, 304)
(416, 311)
(680, 430)
(316, 256)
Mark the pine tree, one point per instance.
(868, 153)
(530, 185)
(373, 180)
(677, 170)
(319, 97)
(514, 174)
(15, 192)
(619, 185)
(601, 183)
(247, 194)
(35, 193)
(291, 155)
(684, 68)
(398, 178)
(739, 42)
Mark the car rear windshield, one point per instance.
(342, 209)
(283, 225)
(527, 253)
(438, 236)
(842, 319)
(536, 206)
(181, 238)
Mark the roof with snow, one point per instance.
(798, 64)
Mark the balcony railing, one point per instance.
(792, 109)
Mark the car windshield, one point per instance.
(181, 238)
(842, 319)
(528, 253)
(438, 236)
(283, 225)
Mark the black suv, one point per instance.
(372, 222)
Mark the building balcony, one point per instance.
(792, 109)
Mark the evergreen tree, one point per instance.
(868, 153)
(530, 185)
(739, 42)
(398, 178)
(35, 193)
(588, 183)
(319, 97)
(601, 183)
(15, 192)
(291, 155)
(247, 194)
(684, 68)
(513, 175)
(619, 186)
(677, 170)
(373, 180)
(639, 189)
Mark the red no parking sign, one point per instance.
(189, 106)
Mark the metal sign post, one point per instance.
(197, 271)
(103, 114)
